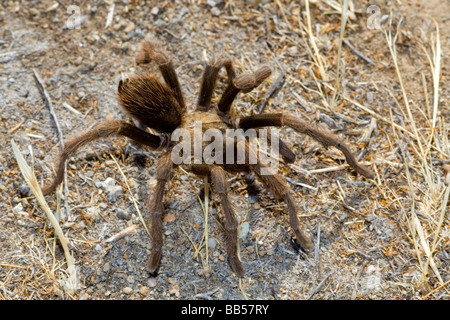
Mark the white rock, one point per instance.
(127, 290)
(243, 230)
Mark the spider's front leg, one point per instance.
(101, 130)
(155, 206)
(152, 50)
(209, 79)
(242, 83)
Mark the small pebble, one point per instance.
(24, 190)
(243, 229)
(127, 290)
(144, 290)
(151, 282)
(215, 11)
(34, 12)
(18, 208)
(130, 27)
(212, 242)
(130, 279)
(106, 267)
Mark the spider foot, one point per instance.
(236, 266)
(151, 50)
(303, 241)
(154, 263)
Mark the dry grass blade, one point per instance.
(141, 218)
(344, 17)
(71, 282)
(435, 65)
(392, 48)
(428, 195)
(371, 112)
(418, 230)
(434, 290)
(317, 57)
(205, 238)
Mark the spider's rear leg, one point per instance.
(221, 187)
(324, 137)
(286, 153)
(275, 183)
(281, 191)
(252, 188)
(155, 206)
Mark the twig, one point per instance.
(301, 184)
(371, 112)
(317, 257)
(127, 231)
(358, 53)
(60, 135)
(318, 59)
(344, 16)
(320, 285)
(13, 266)
(49, 105)
(205, 208)
(206, 295)
(131, 195)
(16, 127)
(71, 109)
(273, 90)
(434, 290)
(358, 276)
(109, 17)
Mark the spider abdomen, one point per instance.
(151, 102)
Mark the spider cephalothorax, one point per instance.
(161, 107)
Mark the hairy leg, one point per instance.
(152, 50)
(285, 152)
(324, 137)
(281, 191)
(209, 80)
(244, 83)
(275, 183)
(155, 207)
(101, 130)
(220, 184)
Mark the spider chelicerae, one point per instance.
(160, 106)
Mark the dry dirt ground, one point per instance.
(381, 238)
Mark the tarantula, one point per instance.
(161, 107)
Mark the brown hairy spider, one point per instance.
(161, 107)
